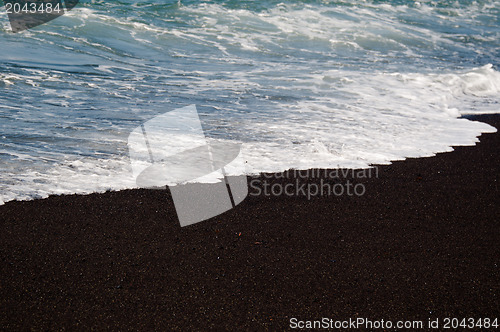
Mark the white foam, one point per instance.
(387, 117)
(309, 111)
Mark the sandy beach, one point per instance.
(422, 242)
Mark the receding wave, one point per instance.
(299, 83)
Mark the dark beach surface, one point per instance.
(422, 242)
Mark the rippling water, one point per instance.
(300, 83)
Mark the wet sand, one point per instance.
(423, 241)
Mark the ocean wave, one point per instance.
(300, 83)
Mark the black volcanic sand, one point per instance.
(422, 242)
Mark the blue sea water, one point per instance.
(300, 84)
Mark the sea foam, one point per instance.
(300, 85)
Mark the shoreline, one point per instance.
(422, 242)
(488, 118)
